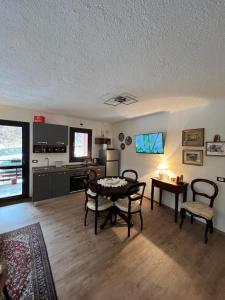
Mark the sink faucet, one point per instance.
(47, 159)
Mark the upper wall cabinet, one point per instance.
(50, 134)
(101, 141)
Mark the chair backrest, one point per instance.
(133, 173)
(204, 194)
(91, 176)
(94, 195)
(136, 192)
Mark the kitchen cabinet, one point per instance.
(59, 135)
(60, 184)
(100, 171)
(56, 183)
(50, 134)
(102, 141)
(42, 187)
(50, 185)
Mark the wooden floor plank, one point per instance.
(162, 262)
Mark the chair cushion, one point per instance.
(103, 204)
(198, 208)
(122, 204)
(134, 196)
(91, 193)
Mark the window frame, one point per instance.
(73, 130)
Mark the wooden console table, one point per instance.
(172, 187)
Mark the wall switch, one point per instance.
(34, 161)
(221, 179)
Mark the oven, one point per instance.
(77, 181)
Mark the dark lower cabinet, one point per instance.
(42, 186)
(55, 184)
(50, 185)
(60, 184)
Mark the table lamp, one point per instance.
(162, 168)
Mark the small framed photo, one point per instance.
(193, 157)
(215, 148)
(193, 137)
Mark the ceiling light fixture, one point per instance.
(121, 99)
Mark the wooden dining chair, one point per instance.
(200, 209)
(132, 203)
(130, 174)
(92, 176)
(96, 203)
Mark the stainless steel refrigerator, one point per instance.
(110, 158)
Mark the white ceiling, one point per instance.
(69, 56)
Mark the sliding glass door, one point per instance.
(14, 160)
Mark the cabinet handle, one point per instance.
(42, 142)
(60, 143)
(42, 175)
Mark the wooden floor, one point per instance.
(162, 262)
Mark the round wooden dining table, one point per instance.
(114, 193)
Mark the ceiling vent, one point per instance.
(121, 99)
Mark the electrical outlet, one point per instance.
(221, 179)
(34, 161)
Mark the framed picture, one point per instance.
(128, 140)
(193, 137)
(122, 146)
(193, 157)
(121, 136)
(215, 148)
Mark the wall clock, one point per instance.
(122, 146)
(121, 136)
(128, 140)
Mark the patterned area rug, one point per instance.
(29, 272)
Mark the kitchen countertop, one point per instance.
(65, 168)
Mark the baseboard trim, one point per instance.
(18, 201)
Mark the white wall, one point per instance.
(211, 117)
(20, 114)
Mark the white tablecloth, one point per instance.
(112, 182)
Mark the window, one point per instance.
(80, 144)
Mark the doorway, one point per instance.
(14, 160)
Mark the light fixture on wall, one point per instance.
(125, 99)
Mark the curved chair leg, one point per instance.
(211, 226)
(85, 218)
(141, 220)
(206, 231)
(5, 293)
(192, 219)
(129, 217)
(182, 216)
(96, 222)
